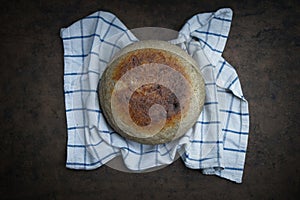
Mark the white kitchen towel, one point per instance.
(218, 141)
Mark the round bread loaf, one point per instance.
(152, 92)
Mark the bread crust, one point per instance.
(152, 92)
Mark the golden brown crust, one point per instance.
(142, 77)
(147, 56)
(148, 95)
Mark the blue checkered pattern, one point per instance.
(216, 144)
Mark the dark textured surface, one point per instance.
(264, 46)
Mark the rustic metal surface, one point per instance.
(263, 45)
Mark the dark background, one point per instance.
(263, 45)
